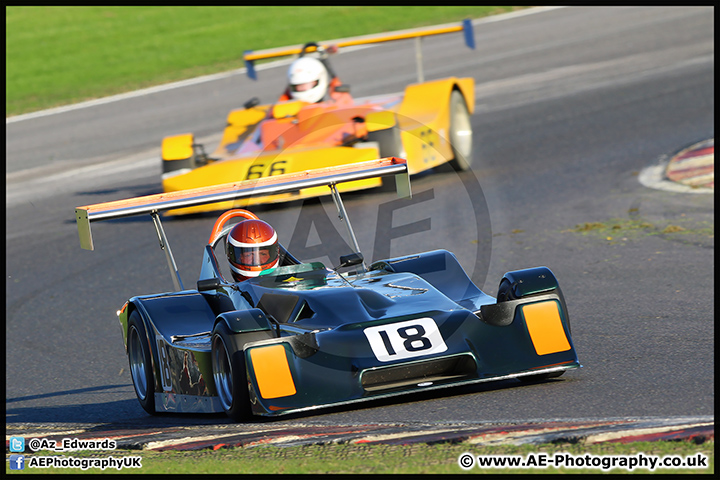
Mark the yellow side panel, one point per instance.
(238, 121)
(426, 113)
(545, 327)
(380, 120)
(287, 109)
(272, 371)
(247, 116)
(177, 147)
(425, 148)
(424, 119)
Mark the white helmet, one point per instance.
(308, 80)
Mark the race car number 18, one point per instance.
(412, 338)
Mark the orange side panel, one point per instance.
(545, 327)
(272, 371)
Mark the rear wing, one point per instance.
(153, 204)
(290, 182)
(466, 27)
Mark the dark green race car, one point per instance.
(305, 336)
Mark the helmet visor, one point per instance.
(304, 87)
(252, 256)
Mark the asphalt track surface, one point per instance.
(571, 104)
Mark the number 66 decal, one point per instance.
(412, 338)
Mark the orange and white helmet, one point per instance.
(251, 248)
(309, 80)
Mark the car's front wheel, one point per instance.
(140, 359)
(228, 363)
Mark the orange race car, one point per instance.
(316, 123)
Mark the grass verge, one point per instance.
(414, 459)
(61, 55)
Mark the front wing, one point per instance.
(440, 349)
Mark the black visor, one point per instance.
(252, 256)
(294, 88)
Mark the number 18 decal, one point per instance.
(412, 338)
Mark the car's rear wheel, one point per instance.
(228, 363)
(460, 133)
(140, 359)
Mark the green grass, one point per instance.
(62, 55)
(619, 230)
(380, 459)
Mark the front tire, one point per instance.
(505, 291)
(460, 133)
(228, 363)
(140, 359)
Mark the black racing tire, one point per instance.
(140, 360)
(228, 363)
(505, 291)
(460, 134)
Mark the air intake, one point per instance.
(434, 371)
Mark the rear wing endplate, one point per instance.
(153, 204)
(466, 27)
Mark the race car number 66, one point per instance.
(412, 338)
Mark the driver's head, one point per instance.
(309, 80)
(251, 248)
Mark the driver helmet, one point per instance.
(309, 80)
(252, 249)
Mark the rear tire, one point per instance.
(460, 133)
(140, 359)
(228, 363)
